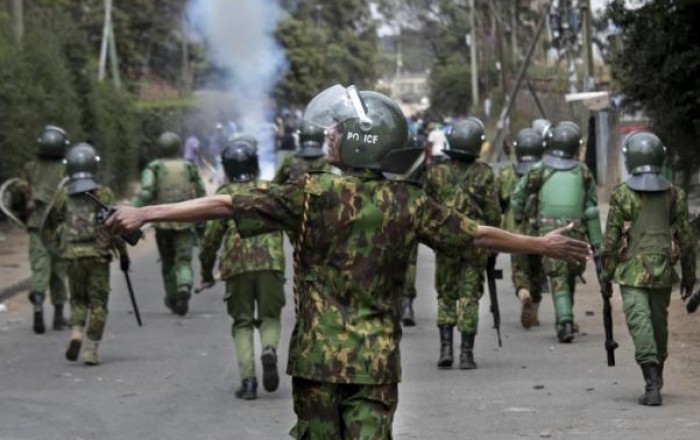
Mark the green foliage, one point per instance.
(335, 43)
(451, 88)
(657, 67)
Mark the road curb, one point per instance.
(8, 292)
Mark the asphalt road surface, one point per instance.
(174, 377)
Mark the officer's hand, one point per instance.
(124, 263)
(557, 245)
(125, 219)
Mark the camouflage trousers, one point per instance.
(89, 287)
(527, 273)
(175, 249)
(409, 288)
(48, 271)
(646, 312)
(329, 411)
(562, 283)
(245, 292)
(460, 286)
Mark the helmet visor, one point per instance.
(336, 105)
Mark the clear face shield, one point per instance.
(335, 105)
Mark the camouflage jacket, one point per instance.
(524, 200)
(294, 167)
(75, 219)
(239, 255)
(505, 183)
(468, 187)
(653, 271)
(40, 180)
(360, 231)
(152, 188)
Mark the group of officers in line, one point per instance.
(355, 238)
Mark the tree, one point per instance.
(657, 69)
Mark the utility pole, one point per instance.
(474, 64)
(498, 24)
(514, 32)
(16, 9)
(589, 79)
(101, 72)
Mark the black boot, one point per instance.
(271, 379)
(446, 354)
(652, 390)
(181, 307)
(248, 389)
(59, 321)
(407, 312)
(37, 298)
(466, 355)
(566, 332)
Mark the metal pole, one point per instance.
(589, 81)
(474, 64)
(105, 37)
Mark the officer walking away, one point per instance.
(353, 236)
(309, 157)
(555, 192)
(171, 179)
(527, 273)
(87, 248)
(469, 186)
(41, 179)
(647, 233)
(254, 272)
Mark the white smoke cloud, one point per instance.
(240, 36)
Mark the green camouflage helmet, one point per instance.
(644, 157)
(465, 138)
(311, 138)
(169, 144)
(81, 166)
(53, 143)
(240, 159)
(529, 146)
(371, 124)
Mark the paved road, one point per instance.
(174, 378)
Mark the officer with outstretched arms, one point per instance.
(253, 269)
(647, 233)
(172, 179)
(469, 186)
(88, 249)
(557, 191)
(40, 181)
(526, 270)
(353, 236)
(309, 157)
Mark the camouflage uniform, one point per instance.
(526, 270)
(359, 232)
(87, 249)
(525, 206)
(294, 167)
(254, 272)
(41, 179)
(169, 181)
(468, 187)
(645, 273)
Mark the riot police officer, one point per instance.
(647, 233)
(42, 178)
(171, 179)
(309, 157)
(526, 270)
(557, 191)
(253, 269)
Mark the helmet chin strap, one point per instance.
(354, 96)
